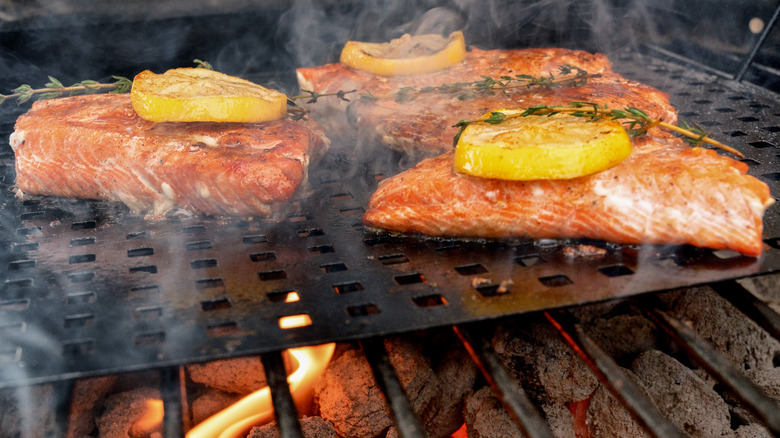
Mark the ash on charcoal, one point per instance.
(123, 410)
(752, 431)
(543, 363)
(624, 336)
(485, 416)
(685, 399)
(312, 427)
(738, 338)
(87, 400)
(560, 420)
(769, 382)
(434, 382)
(241, 375)
(765, 288)
(608, 418)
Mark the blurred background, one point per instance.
(266, 39)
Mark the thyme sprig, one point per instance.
(568, 76)
(55, 88)
(635, 121)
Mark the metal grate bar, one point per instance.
(752, 307)
(754, 51)
(613, 377)
(517, 404)
(170, 391)
(284, 407)
(406, 420)
(764, 407)
(63, 397)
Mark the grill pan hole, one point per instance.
(321, 249)
(143, 291)
(79, 347)
(761, 144)
(10, 355)
(82, 258)
(202, 244)
(137, 235)
(29, 231)
(310, 232)
(203, 263)
(294, 321)
(81, 320)
(144, 339)
(393, 259)
(194, 229)
(140, 252)
(224, 329)
(207, 283)
(19, 265)
(15, 305)
(81, 277)
(615, 270)
(747, 119)
(407, 279)
(333, 267)
(774, 243)
(147, 313)
(86, 225)
(277, 274)
(82, 241)
(430, 301)
(774, 176)
(491, 290)
(364, 310)
(12, 329)
(341, 196)
(530, 260)
(263, 256)
(450, 249)
(772, 129)
(344, 288)
(285, 296)
(725, 110)
(149, 269)
(689, 114)
(26, 247)
(556, 280)
(251, 240)
(750, 162)
(218, 304)
(31, 215)
(735, 134)
(472, 269)
(79, 298)
(302, 217)
(18, 284)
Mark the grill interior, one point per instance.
(88, 289)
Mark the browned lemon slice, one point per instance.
(540, 147)
(406, 55)
(202, 95)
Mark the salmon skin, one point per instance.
(665, 192)
(96, 147)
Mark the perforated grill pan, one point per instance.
(87, 289)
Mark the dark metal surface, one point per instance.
(285, 412)
(86, 289)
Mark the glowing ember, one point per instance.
(256, 408)
(150, 420)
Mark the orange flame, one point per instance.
(256, 408)
(151, 418)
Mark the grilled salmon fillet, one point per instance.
(96, 147)
(422, 127)
(331, 78)
(665, 192)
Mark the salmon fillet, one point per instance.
(665, 192)
(331, 78)
(96, 147)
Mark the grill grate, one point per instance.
(87, 289)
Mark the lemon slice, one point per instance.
(406, 55)
(202, 95)
(540, 147)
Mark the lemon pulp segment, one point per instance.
(406, 55)
(540, 147)
(201, 95)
